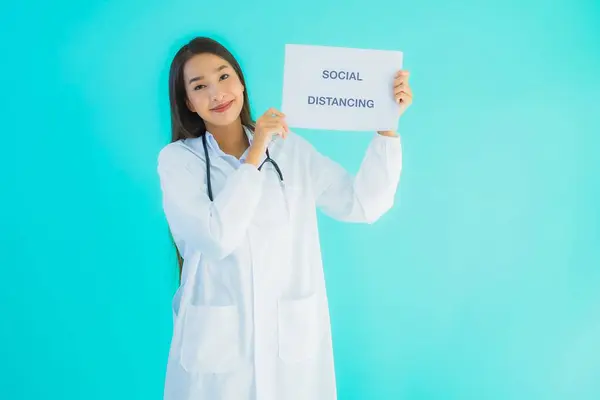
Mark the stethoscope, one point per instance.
(208, 182)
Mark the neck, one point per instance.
(231, 138)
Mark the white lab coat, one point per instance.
(251, 317)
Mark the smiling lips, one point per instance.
(222, 107)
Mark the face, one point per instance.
(213, 89)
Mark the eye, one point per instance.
(224, 76)
(199, 87)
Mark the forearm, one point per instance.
(369, 194)
(213, 227)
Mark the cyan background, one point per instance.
(483, 281)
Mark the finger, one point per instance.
(400, 83)
(274, 118)
(285, 125)
(272, 112)
(277, 119)
(401, 76)
(275, 127)
(402, 90)
(267, 120)
(404, 100)
(271, 124)
(275, 123)
(282, 128)
(401, 80)
(403, 97)
(403, 94)
(405, 87)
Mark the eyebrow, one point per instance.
(197, 78)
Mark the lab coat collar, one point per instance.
(196, 144)
(214, 146)
(275, 146)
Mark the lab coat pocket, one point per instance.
(300, 328)
(210, 339)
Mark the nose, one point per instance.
(215, 94)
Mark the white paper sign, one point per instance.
(339, 88)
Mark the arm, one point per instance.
(366, 196)
(214, 228)
(371, 193)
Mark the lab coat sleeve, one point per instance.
(215, 228)
(363, 197)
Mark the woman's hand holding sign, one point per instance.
(271, 123)
(402, 90)
(402, 94)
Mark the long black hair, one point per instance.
(185, 123)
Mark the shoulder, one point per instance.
(177, 154)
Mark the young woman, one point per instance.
(251, 318)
